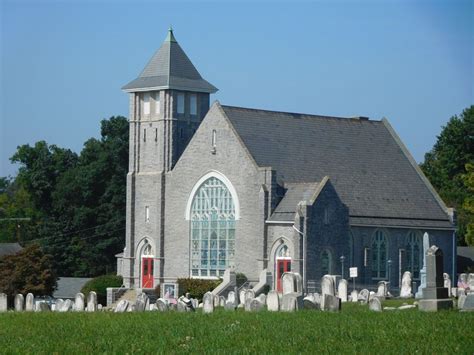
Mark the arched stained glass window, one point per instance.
(379, 255)
(326, 262)
(212, 229)
(414, 253)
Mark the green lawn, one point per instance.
(354, 330)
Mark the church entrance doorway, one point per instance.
(283, 264)
(147, 267)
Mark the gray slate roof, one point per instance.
(170, 68)
(69, 286)
(285, 211)
(9, 248)
(363, 159)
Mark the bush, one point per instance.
(240, 279)
(196, 287)
(158, 291)
(99, 284)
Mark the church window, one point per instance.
(214, 138)
(146, 103)
(180, 103)
(147, 214)
(212, 229)
(414, 253)
(326, 262)
(156, 134)
(193, 104)
(157, 102)
(144, 134)
(180, 133)
(379, 255)
(326, 216)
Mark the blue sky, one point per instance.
(63, 62)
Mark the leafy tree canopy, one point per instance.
(30, 270)
(446, 166)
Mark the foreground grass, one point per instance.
(354, 330)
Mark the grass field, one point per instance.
(354, 330)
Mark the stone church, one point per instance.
(216, 187)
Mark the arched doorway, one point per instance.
(282, 264)
(147, 259)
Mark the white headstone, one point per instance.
(3, 302)
(309, 302)
(331, 303)
(162, 304)
(363, 296)
(256, 305)
(262, 298)
(470, 282)
(375, 305)
(122, 306)
(19, 302)
(92, 302)
(354, 296)
(273, 302)
(58, 304)
(381, 289)
(66, 306)
(327, 285)
(447, 283)
(426, 246)
(208, 303)
(288, 282)
(289, 302)
(79, 302)
(242, 296)
(231, 297)
(342, 290)
(405, 290)
(30, 302)
(249, 295)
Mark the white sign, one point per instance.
(353, 272)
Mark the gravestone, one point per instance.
(66, 306)
(447, 283)
(331, 303)
(462, 281)
(382, 289)
(122, 306)
(188, 303)
(79, 302)
(195, 302)
(435, 295)
(273, 301)
(342, 290)
(309, 302)
(287, 282)
(30, 302)
(461, 300)
(406, 306)
(229, 306)
(58, 304)
(231, 297)
(208, 302)
(142, 302)
(222, 301)
(217, 301)
(248, 301)
(363, 296)
(405, 291)
(426, 245)
(42, 307)
(181, 306)
(375, 305)
(162, 305)
(3, 302)
(354, 296)
(19, 302)
(317, 298)
(256, 305)
(327, 285)
(470, 282)
(468, 304)
(262, 298)
(249, 295)
(289, 302)
(242, 296)
(92, 302)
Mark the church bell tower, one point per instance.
(167, 103)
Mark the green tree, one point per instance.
(445, 165)
(30, 270)
(469, 203)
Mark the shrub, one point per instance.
(196, 287)
(158, 291)
(240, 279)
(99, 284)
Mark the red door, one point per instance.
(283, 265)
(147, 272)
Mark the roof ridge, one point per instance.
(308, 115)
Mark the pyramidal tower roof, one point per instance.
(170, 68)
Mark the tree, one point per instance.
(30, 270)
(469, 203)
(445, 165)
